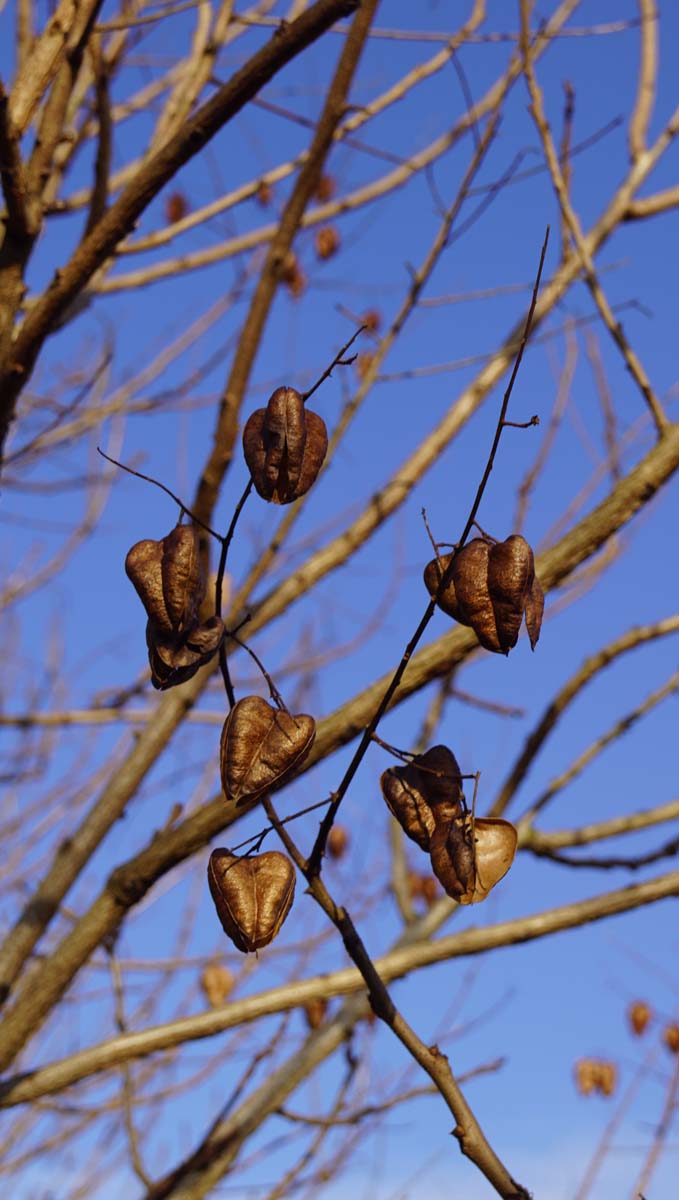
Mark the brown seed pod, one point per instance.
(363, 364)
(338, 841)
(253, 896)
(670, 1037)
(169, 579)
(173, 660)
(491, 587)
(429, 888)
(607, 1078)
(470, 856)
(176, 207)
(261, 748)
(217, 982)
(430, 781)
(314, 1011)
(372, 320)
(264, 194)
(284, 446)
(595, 1075)
(292, 275)
(638, 1015)
(326, 188)
(327, 242)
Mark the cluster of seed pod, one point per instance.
(170, 581)
(595, 1075)
(468, 856)
(490, 586)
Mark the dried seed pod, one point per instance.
(216, 982)
(253, 896)
(292, 275)
(169, 579)
(338, 841)
(176, 207)
(326, 188)
(670, 1037)
(173, 661)
(264, 194)
(261, 748)
(638, 1015)
(363, 364)
(607, 1078)
(284, 446)
(327, 242)
(491, 588)
(470, 856)
(372, 320)
(429, 888)
(586, 1075)
(314, 1011)
(430, 781)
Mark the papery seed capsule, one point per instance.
(327, 242)
(326, 188)
(169, 579)
(671, 1038)
(261, 748)
(338, 841)
(470, 856)
(252, 895)
(292, 275)
(430, 782)
(174, 661)
(639, 1015)
(607, 1078)
(586, 1076)
(314, 1011)
(284, 446)
(217, 982)
(176, 207)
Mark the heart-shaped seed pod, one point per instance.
(639, 1015)
(217, 982)
(173, 661)
(424, 791)
(284, 446)
(470, 856)
(253, 896)
(169, 579)
(491, 588)
(261, 748)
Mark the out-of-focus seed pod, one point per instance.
(492, 586)
(314, 1011)
(326, 188)
(595, 1075)
(430, 781)
(338, 841)
(217, 982)
(363, 364)
(430, 891)
(670, 1037)
(253, 896)
(372, 320)
(292, 275)
(284, 446)
(327, 242)
(176, 207)
(261, 748)
(470, 856)
(638, 1015)
(415, 885)
(264, 194)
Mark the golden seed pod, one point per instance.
(284, 446)
(638, 1015)
(470, 856)
(670, 1037)
(608, 1078)
(261, 748)
(491, 588)
(327, 242)
(169, 579)
(314, 1011)
(338, 841)
(430, 782)
(253, 896)
(217, 982)
(595, 1075)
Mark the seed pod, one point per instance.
(430, 781)
(491, 588)
(169, 579)
(326, 188)
(586, 1075)
(671, 1038)
(638, 1015)
(264, 194)
(372, 320)
(261, 748)
(607, 1078)
(470, 856)
(327, 242)
(430, 889)
(253, 896)
(176, 207)
(314, 1011)
(292, 275)
(284, 446)
(338, 841)
(173, 661)
(216, 982)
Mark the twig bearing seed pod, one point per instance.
(492, 587)
(252, 895)
(284, 446)
(261, 748)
